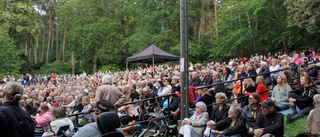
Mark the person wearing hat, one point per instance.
(91, 129)
(269, 122)
(14, 122)
(194, 126)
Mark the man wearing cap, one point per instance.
(269, 123)
(14, 122)
(91, 129)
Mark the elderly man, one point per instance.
(108, 92)
(14, 122)
(269, 123)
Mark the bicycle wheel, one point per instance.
(136, 134)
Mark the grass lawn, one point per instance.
(295, 128)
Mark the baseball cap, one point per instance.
(267, 103)
(104, 105)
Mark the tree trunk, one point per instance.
(251, 33)
(26, 49)
(52, 40)
(49, 38)
(72, 62)
(36, 49)
(216, 17)
(95, 59)
(64, 44)
(57, 39)
(43, 43)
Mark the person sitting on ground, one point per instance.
(44, 117)
(193, 127)
(219, 112)
(91, 129)
(59, 119)
(302, 98)
(232, 126)
(262, 88)
(269, 122)
(251, 111)
(280, 93)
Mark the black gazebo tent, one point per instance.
(152, 54)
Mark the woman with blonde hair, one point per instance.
(204, 96)
(280, 93)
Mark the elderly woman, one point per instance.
(193, 127)
(219, 112)
(59, 119)
(44, 116)
(231, 126)
(251, 111)
(280, 93)
(205, 97)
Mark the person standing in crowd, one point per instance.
(280, 93)
(269, 122)
(14, 122)
(108, 92)
(302, 98)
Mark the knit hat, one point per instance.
(201, 105)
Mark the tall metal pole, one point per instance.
(184, 58)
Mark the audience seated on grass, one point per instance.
(302, 98)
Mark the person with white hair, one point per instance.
(108, 92)
(193, 127)
(14, 122)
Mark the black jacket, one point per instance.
(238, 128)
(273, 124)
(207, 99)
(173, 104)
(305, 94)
(195, 82)
(206, 81)
(14, 122)
(219, 115)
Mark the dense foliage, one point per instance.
(92, 35)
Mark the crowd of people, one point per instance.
(242, 97)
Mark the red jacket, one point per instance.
(262, 91)
(190, 95)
